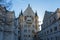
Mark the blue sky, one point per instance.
(37, 5)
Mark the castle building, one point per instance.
(28, 24)
(50, 29)
(8, 28)
(24, 27)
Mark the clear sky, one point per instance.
(37, 5)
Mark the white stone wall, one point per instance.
(26, 30)
(52, 23)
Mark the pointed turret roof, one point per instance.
(3, 8)
(36, 13)
(47, 15)
(21, 13)
(58, 10)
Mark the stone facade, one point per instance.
(24, 27)
(28, 24)
(8, 30)
(50, 29)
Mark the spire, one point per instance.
(36, 13)
(28, 5)
(21, 12)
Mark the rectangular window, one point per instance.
(47, 38)
(25, 25)
(51, 38)
(47, 32)
(29, 26)
(56, 38)
(44, 33)
(25, 35)
(55, 28)
(25, 39)
(28, 30)
(51, 30)
(25, 30)
(28, 35)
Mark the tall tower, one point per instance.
(27, 24)
(20, 24)
(36, 22)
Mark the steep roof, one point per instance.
(47, 15)
(28, 11)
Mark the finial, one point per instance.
(28, 5)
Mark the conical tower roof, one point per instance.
(36, 13)
(21, 13)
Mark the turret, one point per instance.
(21, 13)
(58, 10)
(21, 17)
(36, 21)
